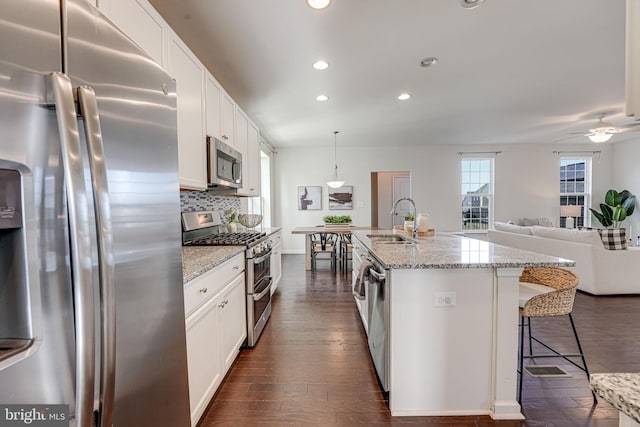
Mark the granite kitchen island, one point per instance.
(448, 311)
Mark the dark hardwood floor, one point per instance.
(311, 366)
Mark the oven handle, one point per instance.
(259, 296)
(262, 258)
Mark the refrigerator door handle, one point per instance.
(80, 240)
(88, 107)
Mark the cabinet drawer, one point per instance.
(200, 289)
(231, 269)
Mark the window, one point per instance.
(477, 193)
(575, 188)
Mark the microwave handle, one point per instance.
(237, 171)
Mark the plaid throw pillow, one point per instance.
(613, 238)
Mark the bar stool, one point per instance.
(547, 291)
(323, 243)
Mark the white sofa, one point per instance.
(601, 271)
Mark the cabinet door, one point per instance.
(233, 320)
(140, 21)
(212, 110)
(253, 161)
(276, 266)
(227, 118)
(203, 357)
(189, 74)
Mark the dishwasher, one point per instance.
(378, 316)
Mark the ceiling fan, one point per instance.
(603, 131)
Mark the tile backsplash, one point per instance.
(201, 201)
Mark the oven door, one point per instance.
(258, 309)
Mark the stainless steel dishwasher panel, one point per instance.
(378, 314)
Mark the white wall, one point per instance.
(626, 176)
(527, 181)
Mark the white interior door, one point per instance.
(401, 188)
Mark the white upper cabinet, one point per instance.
(241, 135)
(189, 73)
(246, 141)
(142, 23)
(213, 113)
(227, 119)
(251, 170)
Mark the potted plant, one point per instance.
(408, 222)
(337, 220)
(232, 220)
(615, 209)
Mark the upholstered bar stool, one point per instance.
(547, 291)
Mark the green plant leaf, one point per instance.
(606, 222)
(629, 204)
(619, 213)
(613, 198)
(607, 211)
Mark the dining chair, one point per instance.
(346, 249)
(323, 244)
(546, 292)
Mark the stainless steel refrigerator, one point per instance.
(91, 298)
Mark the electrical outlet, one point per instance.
(444, 299)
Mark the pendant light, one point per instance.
(336, 182)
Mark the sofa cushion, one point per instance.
(572, 235)
(511, 228)
(529, 222)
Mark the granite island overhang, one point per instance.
(452, 322)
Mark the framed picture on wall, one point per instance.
(310, 198)
(341, 198)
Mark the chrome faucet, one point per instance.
(415, 214)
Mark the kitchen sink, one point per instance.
(390, 239)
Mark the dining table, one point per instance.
(308, 231)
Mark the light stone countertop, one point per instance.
(446, 251)
(197, 260)
(621, 390)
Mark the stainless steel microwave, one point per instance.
(224, 165)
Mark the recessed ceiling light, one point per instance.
(322, 98)
(429, 61)
(321, 65)
(318, 4)
(404, 96)
(471, 4)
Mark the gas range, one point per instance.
(202, 228)
(242, 238)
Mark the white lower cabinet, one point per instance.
(358, 255)
(203, 357)
(216, 327)
(233, 318)
(276, 259)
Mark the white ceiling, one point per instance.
(510, 71)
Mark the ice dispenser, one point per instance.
(15, 330)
